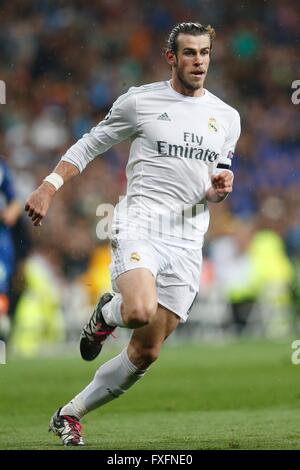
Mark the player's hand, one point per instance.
(38, 202)
(223, 183)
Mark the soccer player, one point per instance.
(182, 142)
(10, 209)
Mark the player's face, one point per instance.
(190, 64)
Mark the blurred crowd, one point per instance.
(64, 62)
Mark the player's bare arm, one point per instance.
(11, 213)
(39, 201)
(222, 185)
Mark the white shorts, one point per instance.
(176, 270)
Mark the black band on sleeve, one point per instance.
(223, 166)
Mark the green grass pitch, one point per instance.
(243, 395)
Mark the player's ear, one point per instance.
(170, 57)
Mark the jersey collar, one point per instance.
(193, 99)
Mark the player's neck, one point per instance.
(179, 87)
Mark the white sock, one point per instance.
(74, 408)
(112, 312)
(111, 380)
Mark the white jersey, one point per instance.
(177, 143)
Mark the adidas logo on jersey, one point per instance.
(164, 117)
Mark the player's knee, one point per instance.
(140, 314)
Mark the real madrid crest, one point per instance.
(135, 257)
(213, 126)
